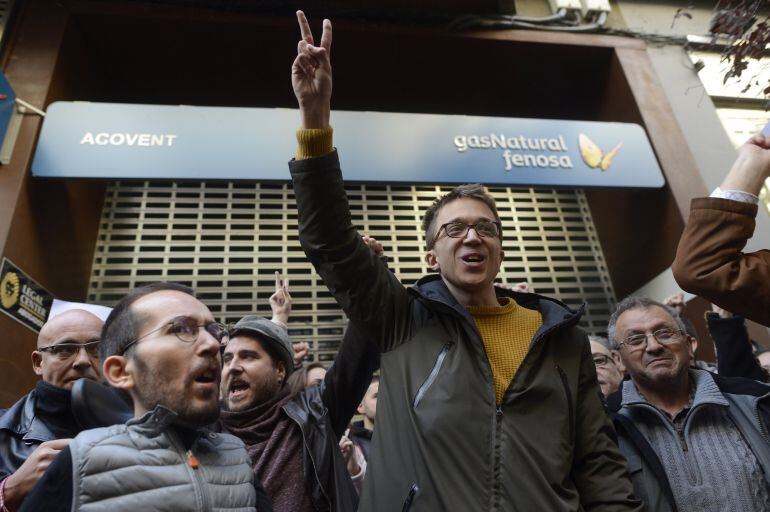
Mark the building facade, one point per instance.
(95, 239)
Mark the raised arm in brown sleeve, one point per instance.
(709, 261)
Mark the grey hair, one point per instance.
(601, 340)
(630, 303)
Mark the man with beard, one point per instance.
(293, 439)
(38, 426)
(695, 441)
(161, 346)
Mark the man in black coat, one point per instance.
(37, 427)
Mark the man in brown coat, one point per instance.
(709, 261)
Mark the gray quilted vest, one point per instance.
(143, 465)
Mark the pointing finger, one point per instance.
(286, 284)
(277, 280)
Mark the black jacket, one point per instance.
(323, 413)
(441, 441)
(734, 355)
(21, 431)
(361, 437)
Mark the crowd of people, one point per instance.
(493, 398)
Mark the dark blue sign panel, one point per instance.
(7, 105)
(93, 140)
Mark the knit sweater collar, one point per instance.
(507, 305)
(706, 391)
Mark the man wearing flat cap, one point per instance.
(293, 439)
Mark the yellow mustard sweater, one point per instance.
(505, 330)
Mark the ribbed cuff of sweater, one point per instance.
(314, 142)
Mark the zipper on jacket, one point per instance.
(760, 423)
(496, 468)
(201, 482)
(310, 455)
(682, 440)
(192, 464)
(433, 374)
(413, 489)
(570, 407)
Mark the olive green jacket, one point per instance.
(441, 442)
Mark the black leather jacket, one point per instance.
(323, 413)
(21, 431)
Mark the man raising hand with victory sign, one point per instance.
(488, 397)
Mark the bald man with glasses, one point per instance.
(40, 424)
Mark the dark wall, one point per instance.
(639, 228)
(47, 228)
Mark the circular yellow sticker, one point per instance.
(9, 290)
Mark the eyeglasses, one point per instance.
(601, 361)
(65, 351)
(664, 336)
(187, 330)
(457, 229)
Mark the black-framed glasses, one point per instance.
(483, 228)
(664, 336)
(69, 350)
(187, 330)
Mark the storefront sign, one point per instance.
(99, 140)
(22, 298)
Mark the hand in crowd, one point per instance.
(311, 75)
(18, 485)
(676, 302)
(374, 245)
(348, 450)
(751, 168)
(301, 350)
(280, 300)
(723, 313)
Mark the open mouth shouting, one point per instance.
(207, 378)
(237, 390)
